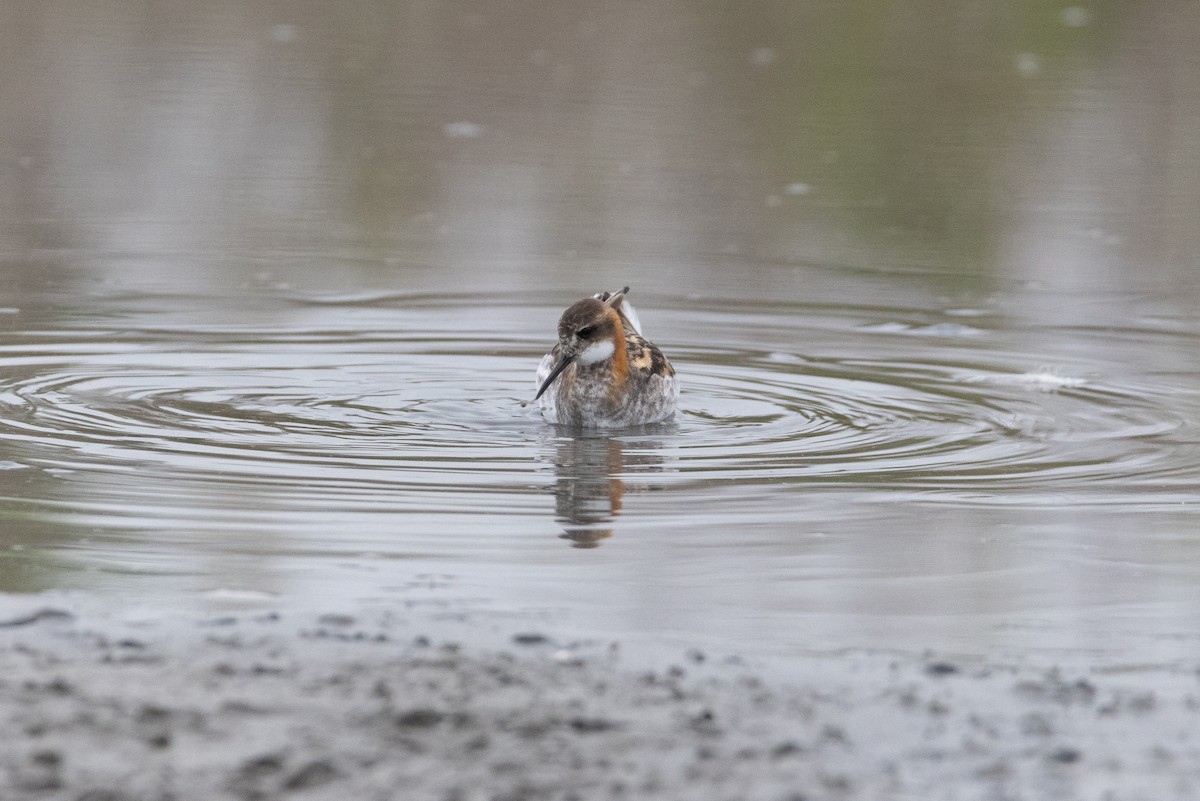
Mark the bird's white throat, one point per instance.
(596, 352)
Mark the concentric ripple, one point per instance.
(427, 400)
(351, 445)
(983, 431)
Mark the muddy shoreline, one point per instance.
(332, 706)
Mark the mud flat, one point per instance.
(333, 706)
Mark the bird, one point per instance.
(603, 373)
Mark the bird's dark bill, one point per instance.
(558, 368)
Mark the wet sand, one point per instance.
(333, 706)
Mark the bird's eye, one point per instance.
(586, 331)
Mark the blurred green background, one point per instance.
(1050, 141)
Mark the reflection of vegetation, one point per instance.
(29, 561)
(382, 139)
(472, 132)
(900, 115)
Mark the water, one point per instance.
(277, 283)
(887, 476)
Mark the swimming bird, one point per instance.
(603, 373)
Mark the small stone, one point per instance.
(420, 718)
(1066, 755)
(591, 725)
(44, 773)
(786, 748)
(261, 765)
(313, 774)
(834, 734)
(941, 668)
(59, 686)
(530, 638)
(152, 713)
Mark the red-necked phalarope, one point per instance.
(603, 373)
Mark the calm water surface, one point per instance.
(276, 278)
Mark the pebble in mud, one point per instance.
(42, 772)
(1065, 755)
(419, 718)
(360, 718)
(311, 774)
(941, 669)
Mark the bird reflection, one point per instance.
(592, 479)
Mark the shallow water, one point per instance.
(277, 280)
(929, 474)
